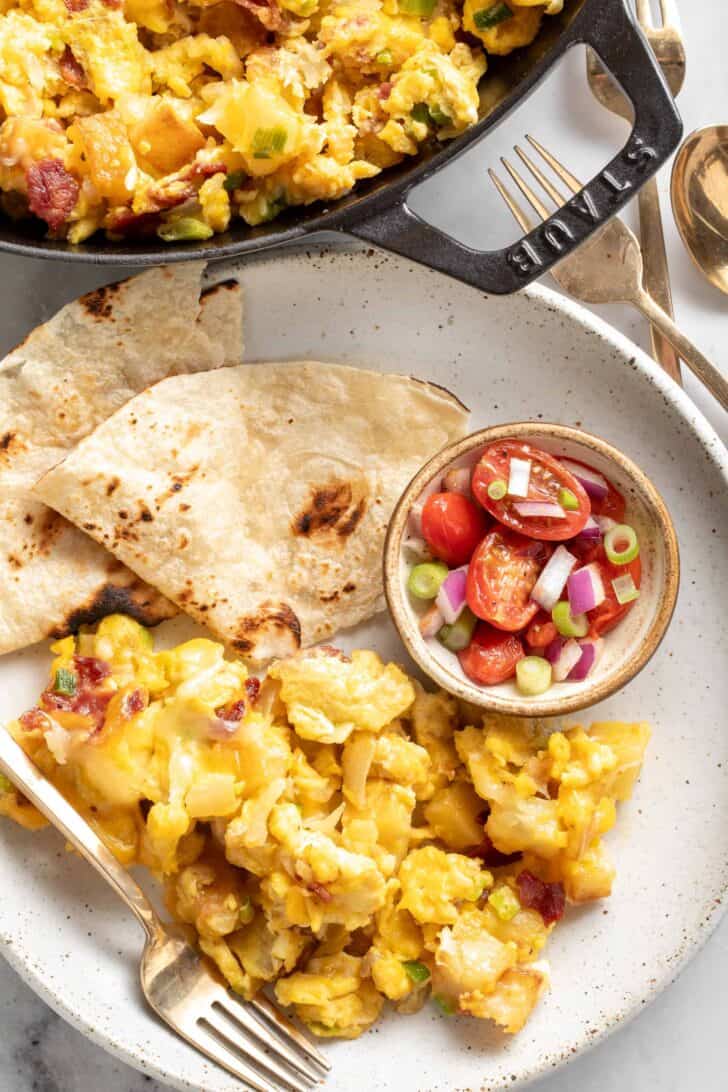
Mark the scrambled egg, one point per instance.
(172, 116)
(334, 831)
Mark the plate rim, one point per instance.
(630, 354)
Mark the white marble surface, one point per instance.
(679, 1042)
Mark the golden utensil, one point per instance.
(667, 45)
(254, 1041)
(608, 267)
(700, 201)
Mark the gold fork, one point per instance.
(608, 267)
(666, 43)
(254, 1041)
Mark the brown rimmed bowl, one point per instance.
(627, 648)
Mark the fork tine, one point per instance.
(551, 190)
(519, 215)
(558, 168)
(242, 1015)
(210, 1045)
(670, 14)
(289, 1030)
(236, 1038)
(644, 14)
(533, 199)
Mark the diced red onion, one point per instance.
(594, 484)
(586, 589)
(605, 523)
(451, 596)
(457, 480)
(539, 509)
(414, 520)
(431, 622)
(553, 650)
(590, 532)
(591, 651)
(519, 476)
(568, 658)
(417, 547)
(550, 584)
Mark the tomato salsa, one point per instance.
(523, 566)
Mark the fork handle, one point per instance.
(16, 766)
(698, 364)
(656, 274)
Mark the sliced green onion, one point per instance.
(5, 785)
(233, 181)
(446, 1007)
(568, 500)
(492, 16)
(439, 117)
(65, 682)
(425, 580)
(269, 142)
(184, 230)
(385, 57)
(533, 675)
(421, 113)
(621, 544)
(505, 902)
(625, 589)
(459, 635)
(497, 489)
(423, 8)
(417, 971)
(567, 624)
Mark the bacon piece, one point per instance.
(231, 713)
(34, 720)
(320, 891)
(267, 12)
(76, 5)
(134, 703)
(490, 856)
(548, 899)
(91, 671)
(385, 90)
(52, 191)
(137, 225)
(71, 70)
(252, 689)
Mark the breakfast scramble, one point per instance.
(335, 830)
(144, 117)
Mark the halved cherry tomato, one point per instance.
(606, 616)
(613, 505)
(452, 526)
(501, 576)
(491, 656)
(542, 631)
(548, 478)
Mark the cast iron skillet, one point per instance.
(378, 212)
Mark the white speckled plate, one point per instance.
(509, 359)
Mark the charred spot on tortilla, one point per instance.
(99, 302)
(27, 518)
(275, 622)
(6, 440)
(439, 387)
(331, 509)
(52, 526)
(207, 294)
(112, 485)
(138, 600)
(144, 513)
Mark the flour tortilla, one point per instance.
(56, 387)
(257, 498)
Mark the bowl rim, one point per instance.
(486, 699)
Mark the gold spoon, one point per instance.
(700, 201)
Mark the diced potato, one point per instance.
(164, 140)
(453, 814)
(107, 154)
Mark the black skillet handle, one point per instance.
(610, 30)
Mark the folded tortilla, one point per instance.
(56, 387)
(257, 498)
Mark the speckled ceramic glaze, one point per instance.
(626, 649)
(523, 358)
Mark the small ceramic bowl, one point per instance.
(627, 648)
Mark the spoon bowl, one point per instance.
(700, 201)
